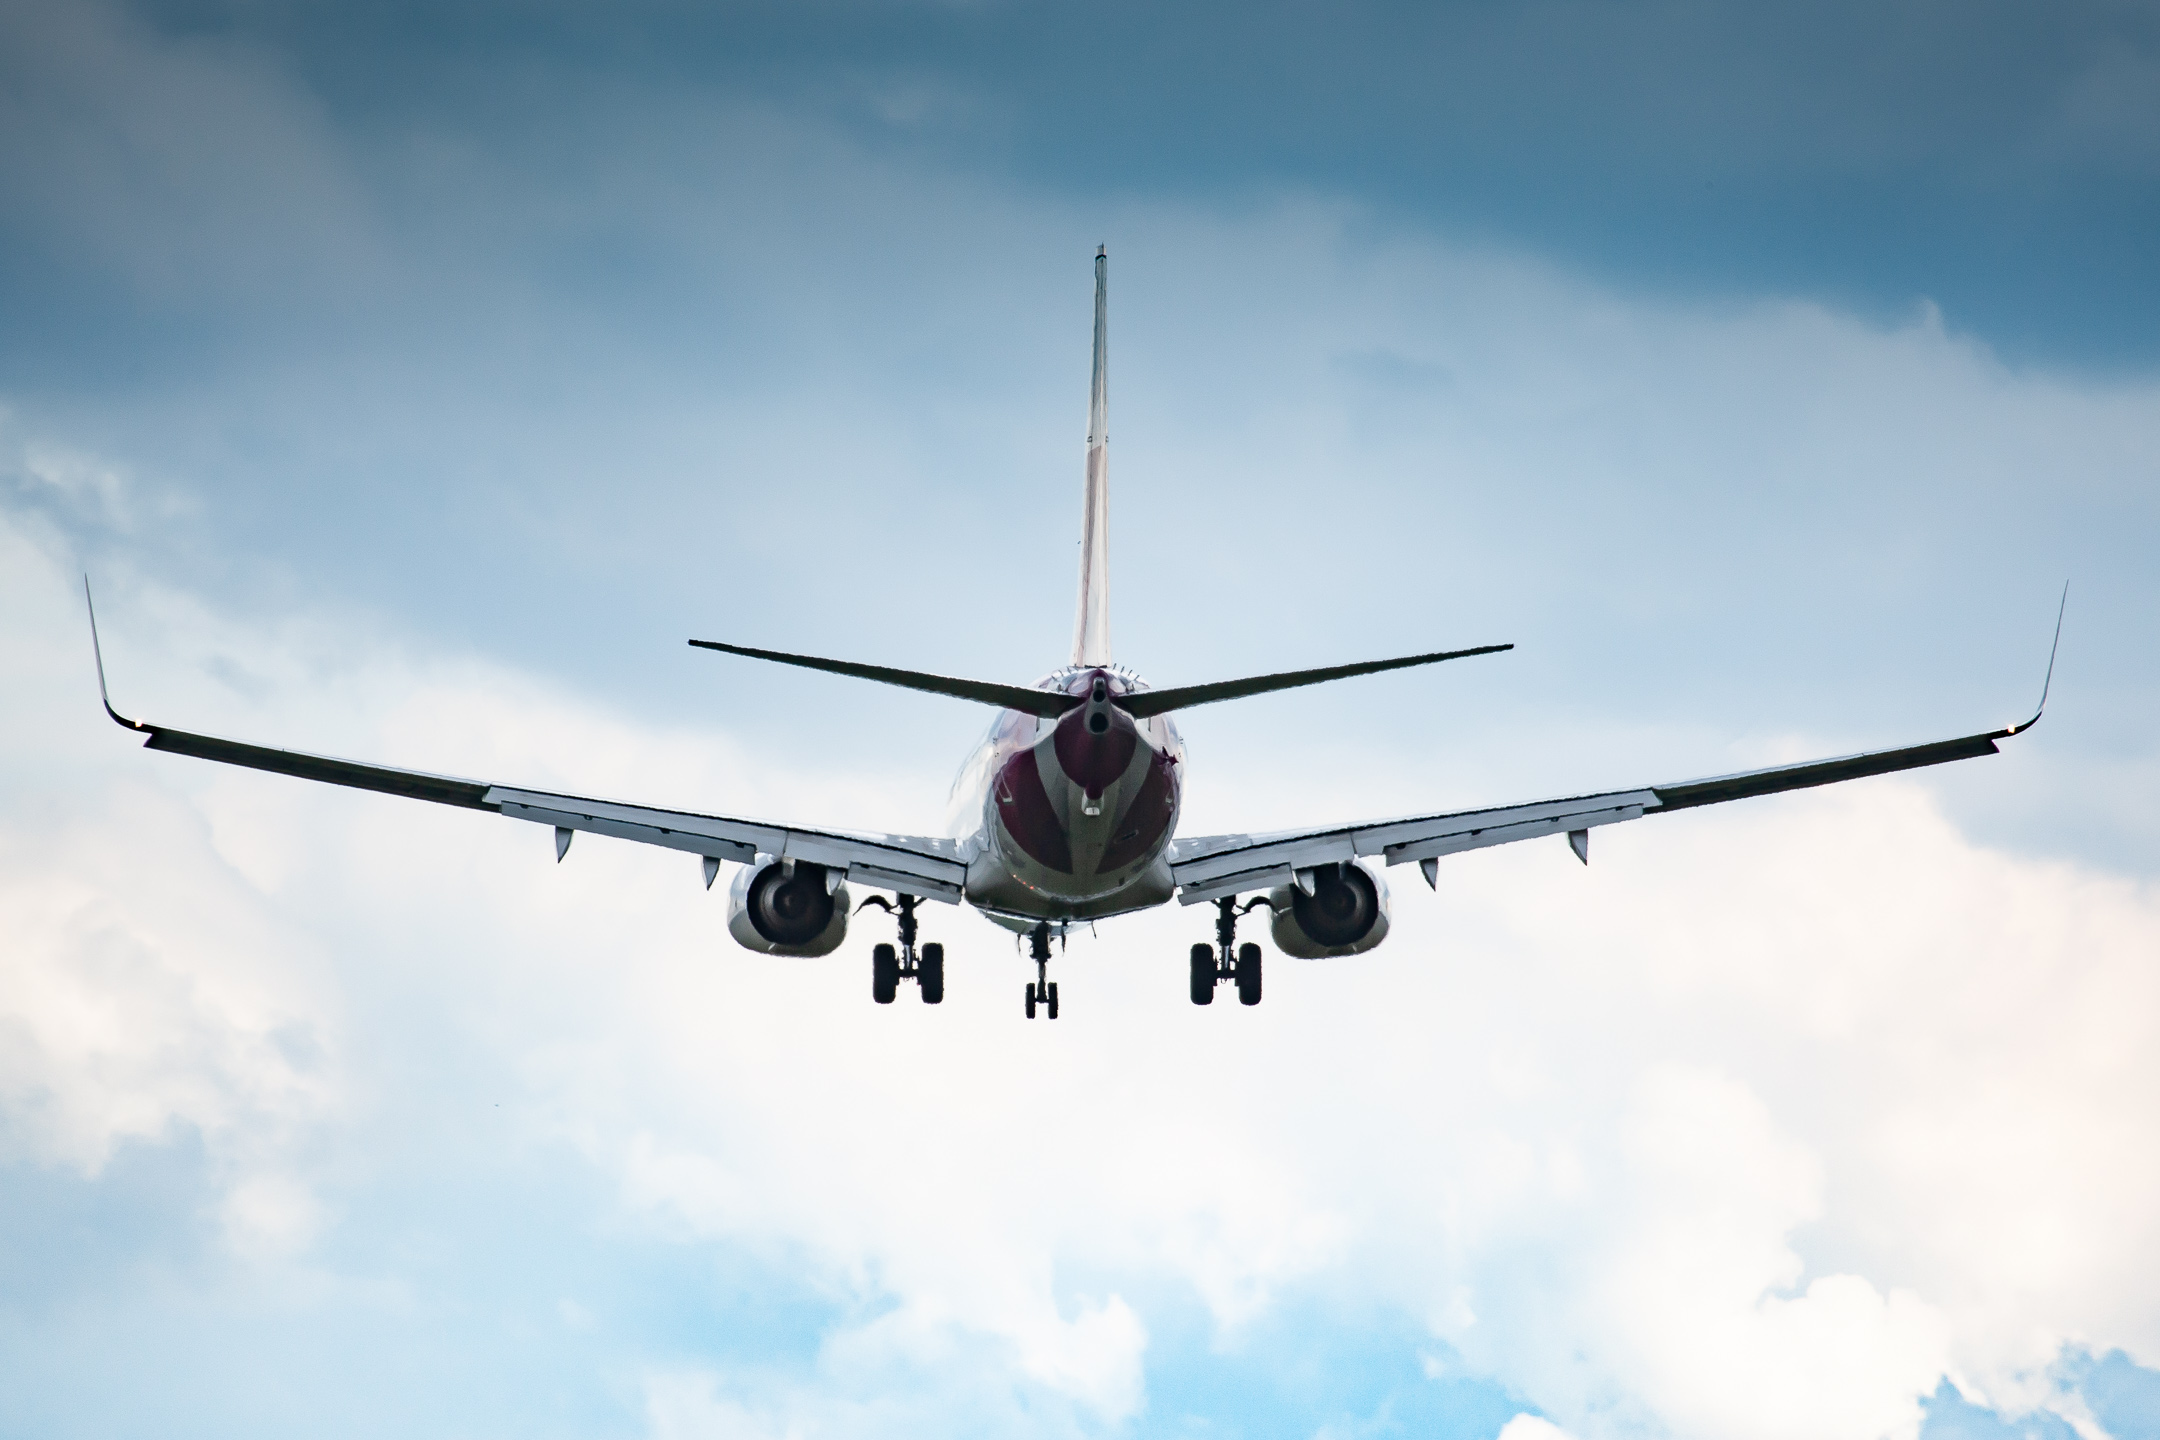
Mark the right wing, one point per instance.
(910, 864)
(1212, 866)
(1209, 867)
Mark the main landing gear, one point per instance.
(888, 967)
(1212, 964)
(1044, 991)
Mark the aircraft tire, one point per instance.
(1031, 1000)
(1248, 974)
(1052, 987)
(932, 978)
(884, 974)
(1203, 974)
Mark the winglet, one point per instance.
(2050, 679)
(98, 651)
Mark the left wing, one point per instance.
(910, 864)
(1212, 866)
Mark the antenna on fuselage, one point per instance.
(1091, 625)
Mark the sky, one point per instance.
(413, 380)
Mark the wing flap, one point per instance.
(1454, 842)
(694, 841)
(1408, 840)
(1219, 869)
(889, 863)
(1235, 882)
(918, 865)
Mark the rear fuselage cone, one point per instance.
(1081, 807)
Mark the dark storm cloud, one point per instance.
(2002, 159)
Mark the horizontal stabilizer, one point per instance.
(1047, 703)
(1162, 702)
(1050, 704)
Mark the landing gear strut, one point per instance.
(1226, 959)
(888, 967)
(1044, 991)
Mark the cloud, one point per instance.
(1984, 158)
(1761, 1125)
(183, 167)
(1756, 1128)
(1531, 1427)
(148, 994)
(146, 988)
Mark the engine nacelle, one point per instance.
(775, 913)
(1347, 913)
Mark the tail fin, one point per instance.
(1091, 627)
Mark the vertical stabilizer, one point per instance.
(1091, 627)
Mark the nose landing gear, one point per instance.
(888, 967)
(1226, 959)
(1044, 991)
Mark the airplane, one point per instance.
(1067, 811)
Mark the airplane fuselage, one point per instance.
(1069, 818)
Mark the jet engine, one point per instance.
(1346, 914)
(776, 908)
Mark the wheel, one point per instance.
(1031, 999)
(1203, 974)
(932, 976)
(1053, 999)
(1248, 974)
(884, 974)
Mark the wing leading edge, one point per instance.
(916, 865)
(1209, 867)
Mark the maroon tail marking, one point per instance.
(1145, 819)
(1025, 811)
